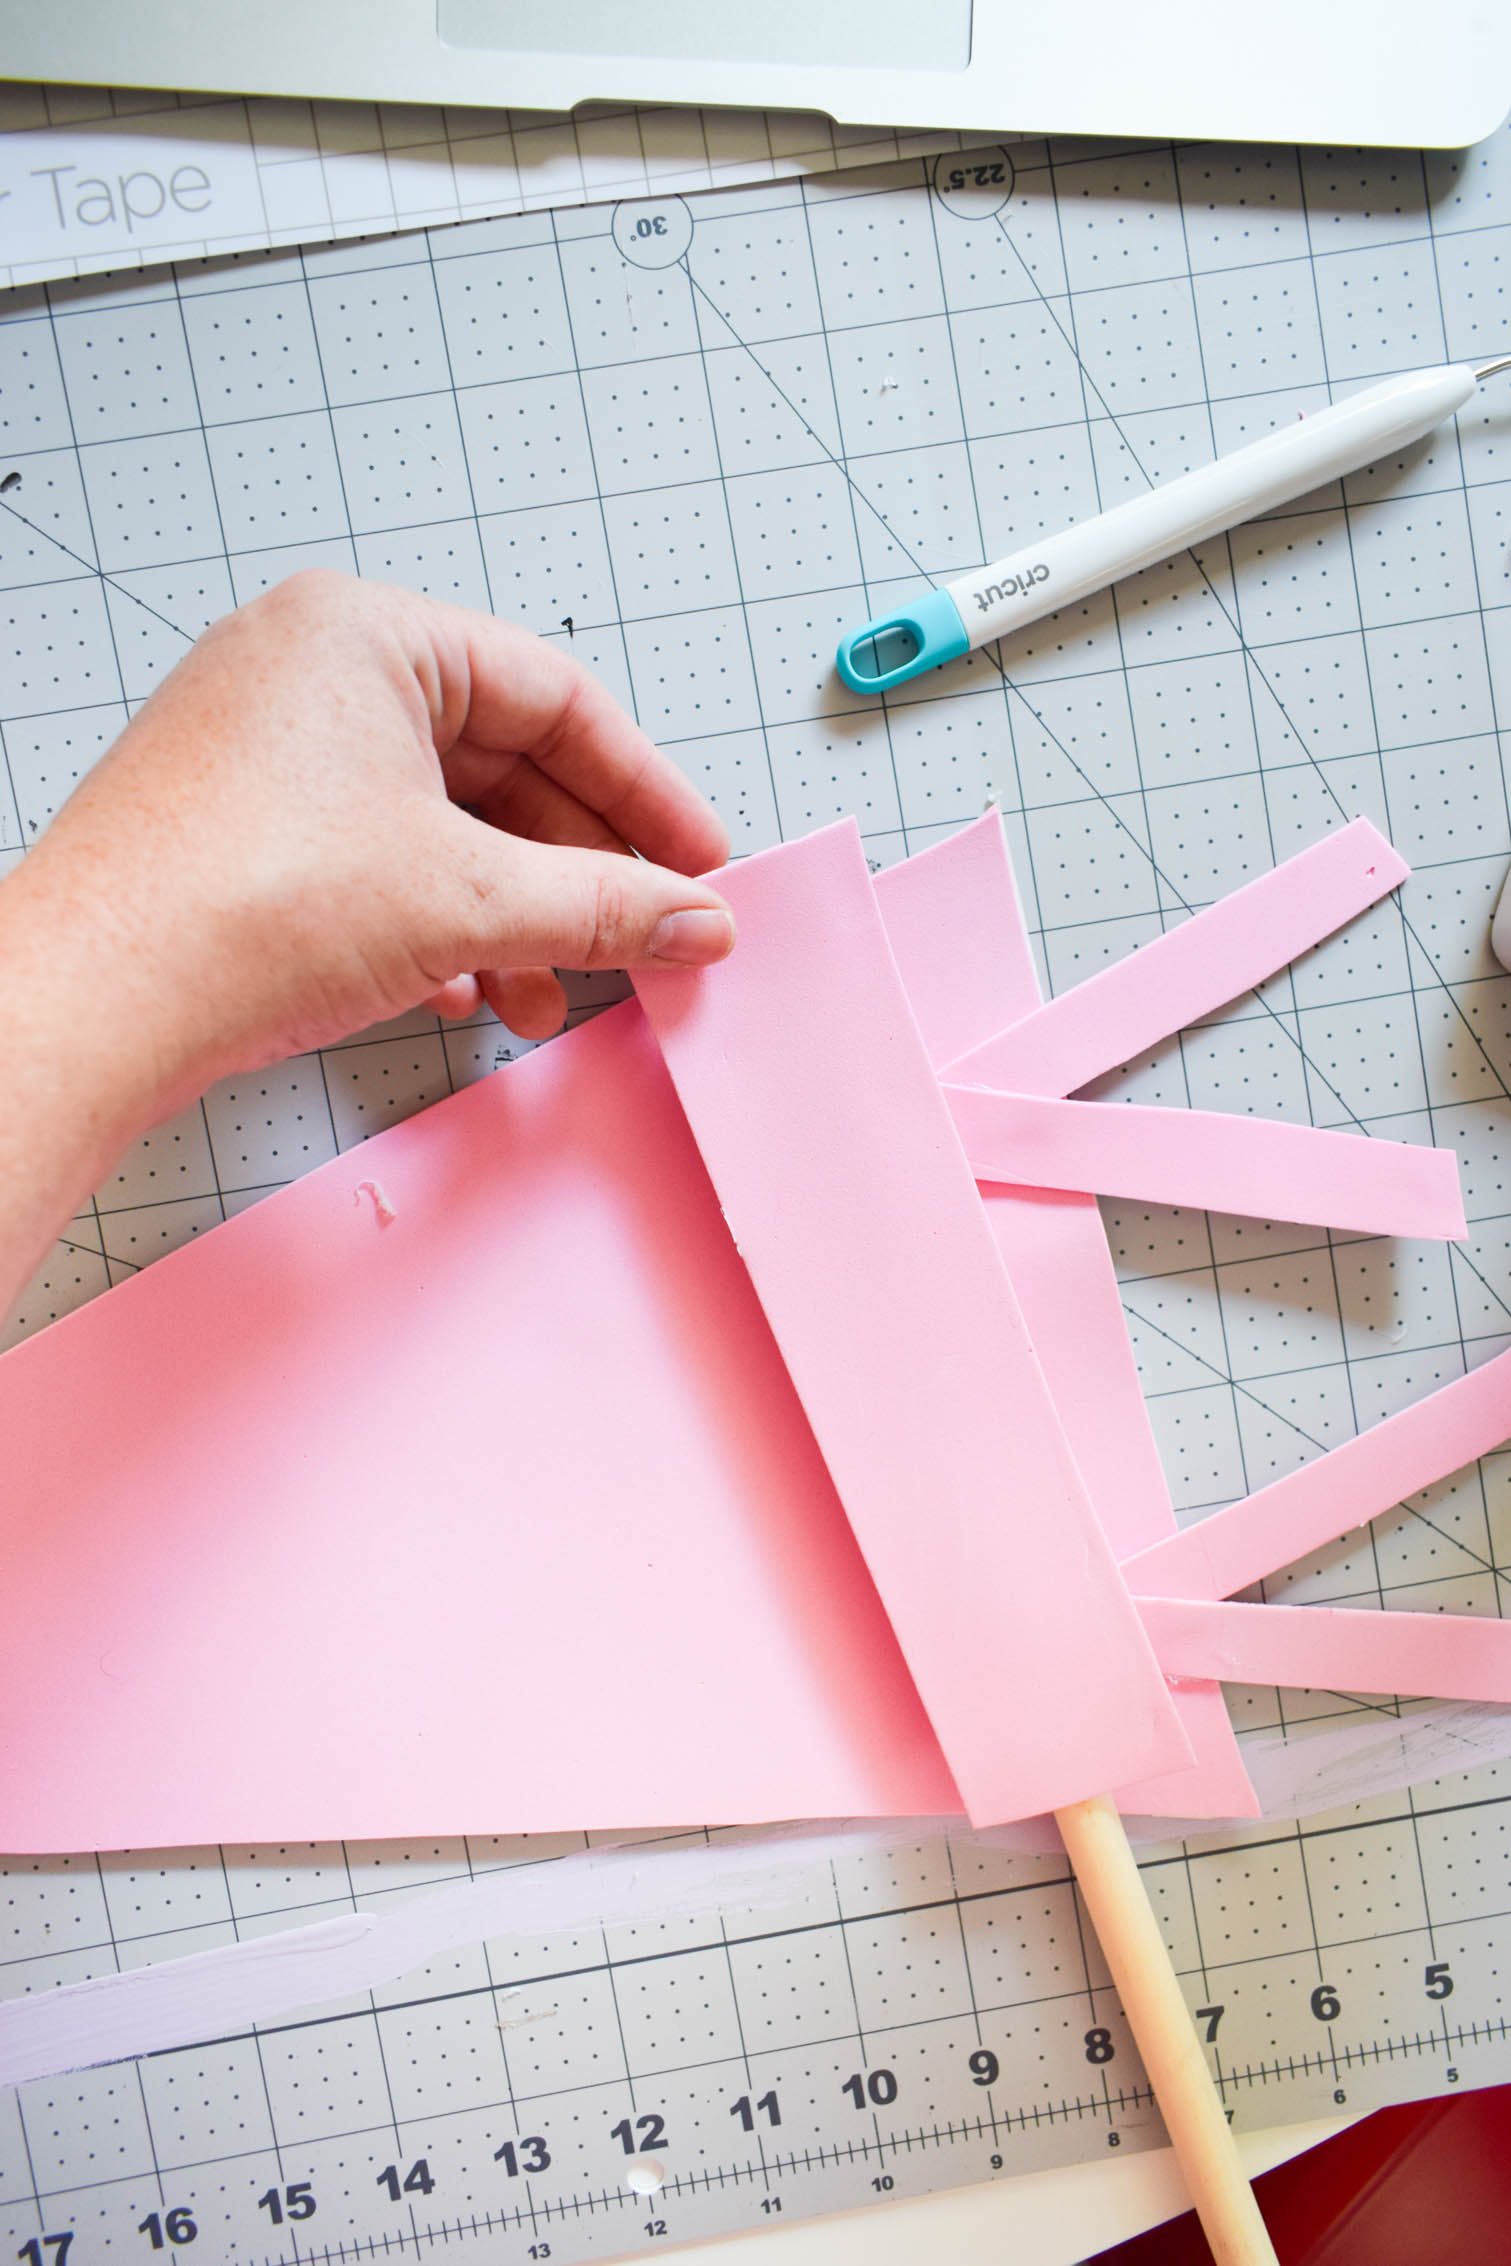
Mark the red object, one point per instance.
(1425, 2184)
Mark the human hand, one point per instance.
(347, 801)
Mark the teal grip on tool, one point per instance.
(918, 636)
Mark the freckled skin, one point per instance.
(345, 802)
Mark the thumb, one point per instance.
(545, 905)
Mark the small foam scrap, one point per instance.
(385, 1213)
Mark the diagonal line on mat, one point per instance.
(1218, 1372)
(1016, 690)
(88, 1251)
(98, 572)
(1251, 661)
(1457, 1251)
(1247, 1393)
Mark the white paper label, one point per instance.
(187, 178)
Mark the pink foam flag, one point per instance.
(952, 920)
(1329, 1497)
(496, 1516)
(1215, 956)
(501, 1517)
(854, 1212)
(495, 1615)
(1331, 1648)
(1211, 1162)
(955, 926)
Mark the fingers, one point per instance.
(512, 793)
(529, 697)
(529, 1000)
(461, 997)
(534, 905)
(517, 798)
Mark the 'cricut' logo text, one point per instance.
(1016, 586)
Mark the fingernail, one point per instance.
(694, 938)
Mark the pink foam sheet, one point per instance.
(854, 1211)
(957, 935)
(1329, 1497)
(956, 929)
(1056, 1248)
(504, 1515)
(499, 1462)
(1211, 1161)
(501, 1517)
(1215, 956)
(1455, 1656)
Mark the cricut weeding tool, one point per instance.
(939, 625)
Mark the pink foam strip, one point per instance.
(1056, 1252)
(953, 921)
(1329, 1648)
(831, 1150)
(1211, 1161)
(1339, 1491)
(1215, 956)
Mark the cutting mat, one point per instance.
(694, 441)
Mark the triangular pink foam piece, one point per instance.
(294, 1523)
(503, 1516)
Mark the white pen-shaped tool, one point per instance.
(941, 624)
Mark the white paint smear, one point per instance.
(213, 1994)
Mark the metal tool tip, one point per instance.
(1489, 369)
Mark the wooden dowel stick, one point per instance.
(1161, 2023)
